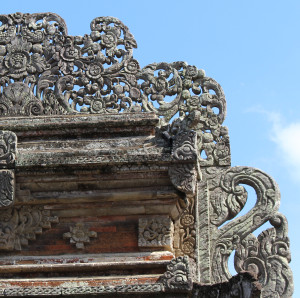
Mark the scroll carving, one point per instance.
(183, 175)
(185, 231)
(268, 256)
(229, 235)
(44, 71)
(7, 187)
(8, 149)
(19, 225)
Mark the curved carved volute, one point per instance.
(228, 236)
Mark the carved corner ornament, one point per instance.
(79, 235)
(178, 277)
(268, 255)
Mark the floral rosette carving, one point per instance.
(80, 235)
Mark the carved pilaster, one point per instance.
(7, 187)
(8, 150)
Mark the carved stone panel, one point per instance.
(8, 149)
(7, 187)
(156, 232)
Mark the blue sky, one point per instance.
(252, 48)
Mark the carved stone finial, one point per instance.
(79, 235)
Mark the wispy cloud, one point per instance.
(287, 138)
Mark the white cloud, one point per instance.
(287, 138)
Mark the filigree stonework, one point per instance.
(268, 256)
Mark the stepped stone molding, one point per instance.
(20, 225)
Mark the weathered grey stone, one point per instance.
(96, 142)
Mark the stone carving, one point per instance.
(81, 290)
(7, 187)
(8, 148)
(229, 235)
(44, 71)
(156, 232)
(19, 225)
(177, 277)
(185, 231)
(79, 235)
(184, 175)
(268, 256)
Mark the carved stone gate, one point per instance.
(117, 179)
